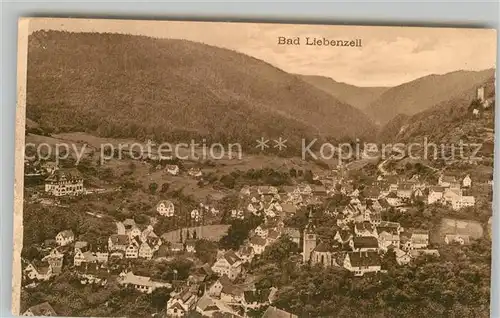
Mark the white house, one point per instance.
(64, 182)
(165, 208)
(143, 284)
(145, 251)
(229, 264)
(361, 263)
(435, 195)
(118, 242)
(195, 173)
(455, 238)
(41, 271)
(258, 244)
(467, 182)
(172, 169)
(181, 304)
(134, 232)
(462, 202)
(132, 251)
(65, 237)
(402, 257)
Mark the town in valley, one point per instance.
(267, 234)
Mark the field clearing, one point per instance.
(456, 226)
(208, 232)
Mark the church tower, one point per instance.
(309, 242)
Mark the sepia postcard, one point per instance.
(222, 169)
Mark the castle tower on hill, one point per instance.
(309, 242)
(480, 93)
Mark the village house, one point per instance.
(84, 257)
(55, 259)
(191, 246)
(208, 306)
(143, 284)
(216, 288)
(145, 251)
(387, 239)
(288, 209)
(172, 169)
(101, 253)
(237, 214)
(414, 239)
(116, 255)
(165, 208)
(92, 273)
(467, 182)
(304, 189)
(319, 190)
(463, 201)
(343, 237)
(118, 242)
(132, 251)
(195, 173)
(64, 182)
(261, 231)
(229, 264)
(361, 263)
(451, 195)
(435, 195)
(393, 200)
(245, 190)
(365, 229)
(418, 194)
(65, 237)
(41, 310)
(134, 232)
(402, 257)
(405, 190)
(231, 294)
(246, 253)
(258, 244)
(364, 244)
(81, 246)
(456, 238)
(150, 237)
(38, 270)
(447, 181)
(272, 236)
(181, 303)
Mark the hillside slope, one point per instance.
(447, 122)
(173, 90)
(423, 93)
(359, 97)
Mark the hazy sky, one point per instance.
(389, 56)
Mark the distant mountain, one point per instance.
(448, 121)
(172, 90)
(423, 93)
(359, 97)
